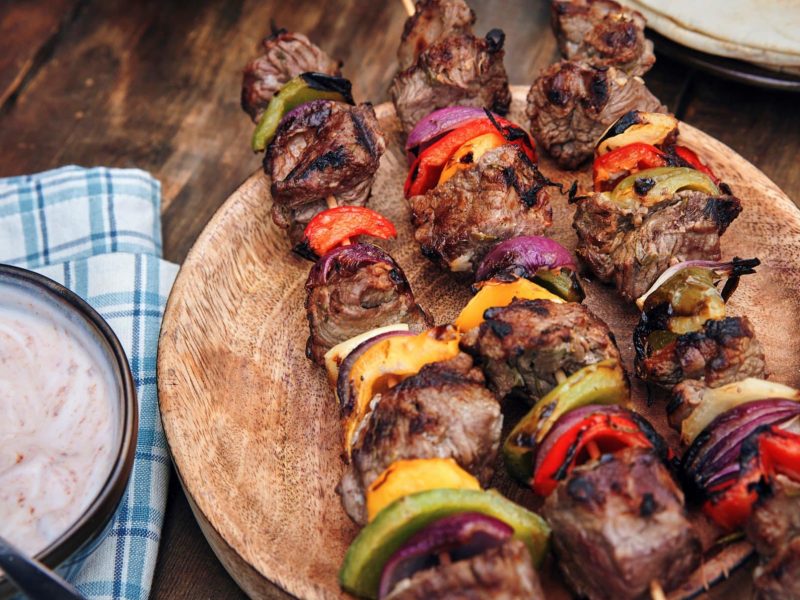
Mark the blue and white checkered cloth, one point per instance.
(98, 231)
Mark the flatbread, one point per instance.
(759, 31)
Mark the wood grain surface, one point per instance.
(252, 424)
(154, 84)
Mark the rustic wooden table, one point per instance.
(155, 85)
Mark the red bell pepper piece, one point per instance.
(333, 226)
(427, 168)
(613, 166)
(694, 161)
(777, 452)
(609, 433)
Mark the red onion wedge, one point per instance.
(348, 259)
(731, 270)
(524, 255)
(715, 452)
(439, 122)
(462, 536)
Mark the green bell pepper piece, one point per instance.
(563, 282)
(651, 186)
(306, 87)
(693, 296)
(394, 525)
(601, 383)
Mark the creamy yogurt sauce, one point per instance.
(58, 419)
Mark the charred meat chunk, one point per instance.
(444, 411)
(570, 105)
(524, 345)
(322, 148)
(602, 33)
(504, 572)
(502, 196)
(432, 21)
(353, 289)
(722, 352)
(774, 529)
(620, 520)
(286, 55)
(456, 70)
(632, 246)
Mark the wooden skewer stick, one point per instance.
(409, 6)
(593, 450)
(560, 376)
(656, 591)
(332, 203)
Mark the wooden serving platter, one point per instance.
(252, 424)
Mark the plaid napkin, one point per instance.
(98, 232)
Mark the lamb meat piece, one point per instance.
(523, 345)
(602, 33)
(620, 520)
(444, 411)
(324, 148)
(722, 352)
(504, 572)
(432, 21)
(631, 247)
(457, 70)
(570, 106)
(353, 289)
(774, 529)
(502, 196)
(286, 55)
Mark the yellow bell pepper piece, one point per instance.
(405, 477)
(469, 153)
(387, 363)
(497, 293)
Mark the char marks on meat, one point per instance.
(286, 55)
(523, 345)
(324, 148)
(620, 520)
(774, 529)
(501, 573)
(362, 289)
(442, 63)
(632, 246)
(602, 33)
(570, 106)
(502, 196)
(722, 352)
(444, 411)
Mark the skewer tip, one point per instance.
(409, 6)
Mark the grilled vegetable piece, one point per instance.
(332, 227)
(632, 246)
(601, 383)
(353, 289)
(651, 186)
(377, 542)
(444, 411)
(654, 128)
(526, 346)
(501, 196)
(285, 55)
(612, 167)
(336, 355)
(469, 153)
(570, 105)
(602, 33)
(409, 476)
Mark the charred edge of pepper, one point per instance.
(739, 267)
(329, 83)
(621, 125)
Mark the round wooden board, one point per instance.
(252, 424)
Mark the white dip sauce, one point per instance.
(58, 421)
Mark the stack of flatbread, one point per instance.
(764, 32)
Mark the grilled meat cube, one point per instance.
(432, 21)
(602, 33)
(774, 529)
(353, 289)
(324, 148)
(631, 247)
(724, 351)
(500, 573)
(444, 411)
(570, 106)
(456, 70)
(286, 55)
(523, 345)
(502, 196)
(620, 520)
